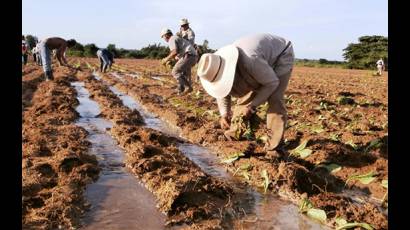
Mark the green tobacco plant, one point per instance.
(377, 143)
(364, 178)
(301, 151)
(306, 206)
(343, 224)
(233, 157)
(352, 144)
(266, 180)
(334, 137)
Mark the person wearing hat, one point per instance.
(60, 46)
(184, 52)
(186, 31)
(255, 69)
(106, 59)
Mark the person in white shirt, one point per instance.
(380, 66)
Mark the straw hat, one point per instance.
(183, 21)
(165, 31)
(217, 71)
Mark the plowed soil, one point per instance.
(341, 113)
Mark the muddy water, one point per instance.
(262, 211)
(118, 200)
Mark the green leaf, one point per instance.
(317, 214)
(266, 181)
(301, 150)
(334, 137)
(332, 168)
(246, 166)
(317, 129)
(353, 225)
(384, 183)
(305, 153)
(246, 175)
(354, 146)
(364, 178)
(340, 221)
(374, 144)
(232, 158)
(305, 205)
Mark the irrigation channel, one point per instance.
(119, 201)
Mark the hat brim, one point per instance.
(222, 85)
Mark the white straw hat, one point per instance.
(217, 71)
(183, 21)
(165, 31)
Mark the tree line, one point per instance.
(361, 55)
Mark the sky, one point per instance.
(317, 28)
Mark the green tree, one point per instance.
(363, 55)
(113, 50)
(90, 50)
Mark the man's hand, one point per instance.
(164, 61)
(248, 112)
(225, 122)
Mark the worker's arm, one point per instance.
(60, 55)
(263, 73)
(171, 55)
(224, 107)
(191, 36)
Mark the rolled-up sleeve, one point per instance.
(264, 74)
(224, 105)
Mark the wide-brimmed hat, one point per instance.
(165, 31)
(217, 71)
(183, 21)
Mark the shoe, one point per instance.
(189, 90)
(49, 75)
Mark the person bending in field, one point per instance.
(185, 54)
(58, 44)
(106, 59)
(255, 69)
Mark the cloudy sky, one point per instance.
(317, 28)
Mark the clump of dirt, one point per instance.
(55, 163)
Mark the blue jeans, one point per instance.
(45, 56)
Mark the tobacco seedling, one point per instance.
(233, 158)
(364, 178)
(307, 207)
(343, 224)
(301, 150)
(352, 144)
(334, 137)
(266, 180)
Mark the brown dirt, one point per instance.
(313, 102)
(183, 190)
(55, 163)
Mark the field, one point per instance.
(336, 163)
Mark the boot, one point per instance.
(49, 75)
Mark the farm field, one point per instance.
(336, 160)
